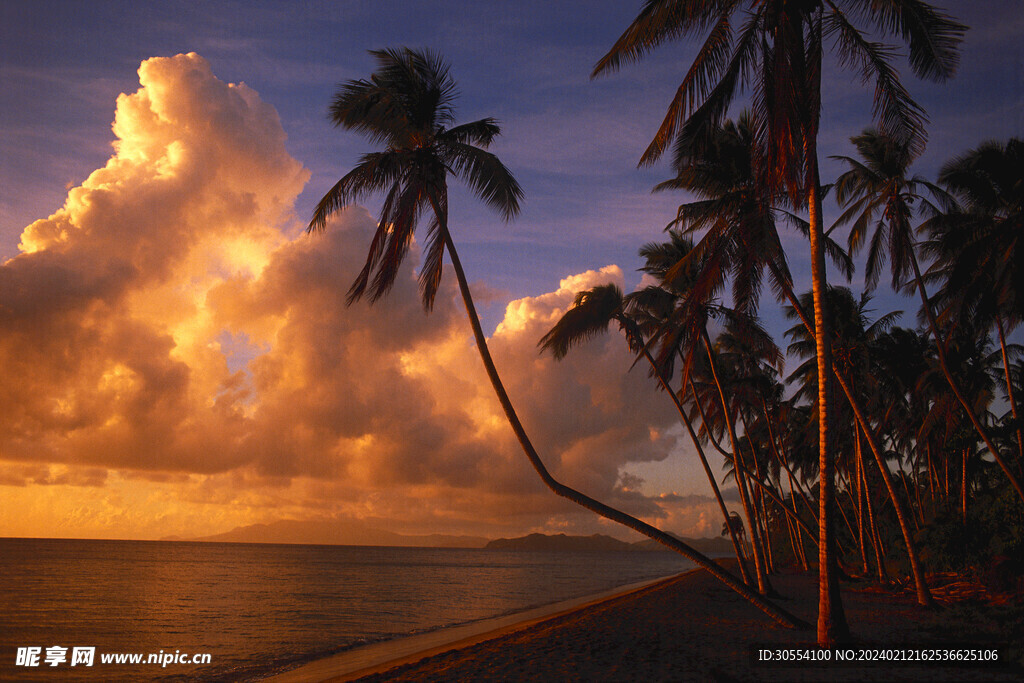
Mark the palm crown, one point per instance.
(407, 105)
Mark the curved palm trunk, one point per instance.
(739, 468)
(775, 612)
(954, 385)
(744, 573)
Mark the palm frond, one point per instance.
(489, 179)
(479, 133)
(374, 172)
(711, 60)
(659, 21)
(591, 313)
(433, 254)
(897, 113)
(933, 36)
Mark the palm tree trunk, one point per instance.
(917, 489)
(945, 480)
(1009, 389)
(924, 596)
(931, 475)
(763, 584)
(775, 612)
(832, 626)
(791, 511)
(859, 467)
(762, 505)
(799, 534)
(876, 542)
(954, 385)
(963, 487)
(744, 573)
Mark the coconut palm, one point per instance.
(692, 284)
(407, 106)
(592, 312)
(881, 196)
(777, 53)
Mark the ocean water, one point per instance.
(261, 609)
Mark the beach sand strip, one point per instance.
(376, 657)
(690, 627)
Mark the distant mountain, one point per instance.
(337, 532)
(561, 542)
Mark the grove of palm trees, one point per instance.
(877, 447)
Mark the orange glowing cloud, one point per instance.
(179, 358)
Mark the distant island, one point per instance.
(334, 532)
(352, 532)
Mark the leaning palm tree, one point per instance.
(407, 105)
(777, 52)
(692, 284)
(592, 312)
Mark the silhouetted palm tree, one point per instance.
(692, 283)
(853, 335)
(978, 245)
(407, 105)
(592, 312)
(777, 53)
(881, 196)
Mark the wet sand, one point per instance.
(686, 628)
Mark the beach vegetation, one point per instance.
(775, 50)
(888, 454)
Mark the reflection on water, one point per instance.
(260, 608)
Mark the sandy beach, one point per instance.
(689, 627)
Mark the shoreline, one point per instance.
(376, 658)
(691, 627)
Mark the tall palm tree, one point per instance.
(881, 195)
(777, 52)
(739, 217)
(407, 105)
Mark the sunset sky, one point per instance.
(176, 352)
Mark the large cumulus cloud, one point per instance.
(170, 330)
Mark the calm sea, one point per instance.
(262, 609)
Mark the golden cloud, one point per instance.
(170, 338)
